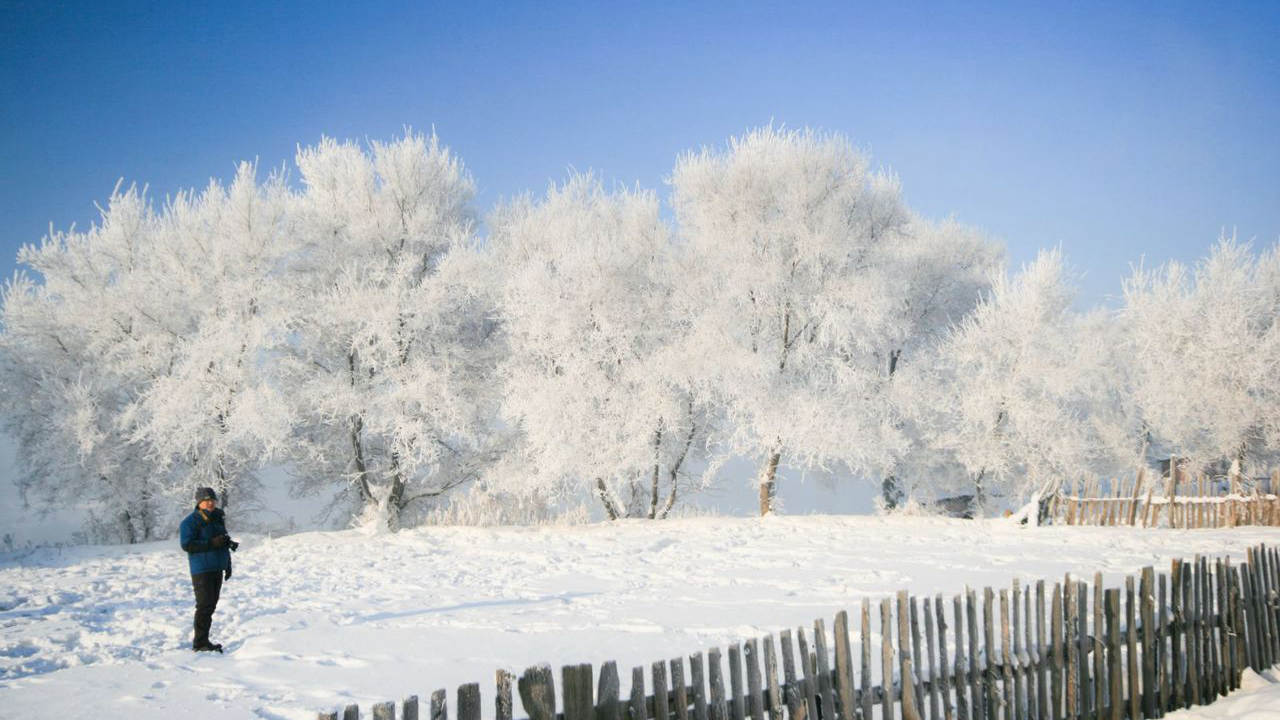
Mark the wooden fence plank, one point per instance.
(537, 693)
(384, 711)
(661, 709)
(865, 642)
(637, 708)
(469, 701)
(917, 658)
(1214, 686)
(771, 680)
(737, 706)
(1115, 676)
(961, 662)
(715, 675)
(844, 667)
(576, 690)
(679, 692)
(327, 715)
(826, 697)
(1100, 683)
(409, 709)
(1178, 688)
(351, 712)
(608, 693)
(1146, 591)
(1026, 661)
(755, 691)
(977, 692)
(503, 708)
(990, 686)
(1071, 621)
(1007, 699)
(1131, 645)
(931, 647)
(886, 659)
(1082, 638)
(795, 695)
(440, 705)
(698, 682)
(1250, 616)
(1162, 643)
(1043, 711)
(808, 663)
(943, 673)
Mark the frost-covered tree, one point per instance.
(1204, 344)
(592, 376)
(814, 279)
(387, 356)
(214, 415)
(1021, 393)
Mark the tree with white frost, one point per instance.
(387, 361)
(814, 279)
(1204, 344)
(1022, 393)
(592, 377)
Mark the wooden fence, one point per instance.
(1182, 500)
(1073, 651)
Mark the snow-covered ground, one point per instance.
(317, 620)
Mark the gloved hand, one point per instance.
(233, 544)
(221, 541)
(226, 575)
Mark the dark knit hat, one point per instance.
(205, 493)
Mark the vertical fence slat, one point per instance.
(1082, 639)
(1115, 685)
(1214, 687)
(469, 701)
(1100, 683)
(1006, 657)
(502, 706)
(1178, 688)
(1058, 667)
(698, 682)
(917, 657)
(637, 708)
(886, 659)
(865, 642)
(409, 709)
(1131, 645)
(440, 706)
(715, 677)
(537, 692)
(737, 711)
(679, 693)
(944, 669)
(384, 711)
(990, 684)
(844, 667)
(575, 688)
(1071, 621)
(822, 656)
(1196, 664)
(608, 693)
(810, 677)
(1026, 661)
(1042, 656)
(931, 647)
(1162, 643)
(771, 679)
(961, 661)
(661, 709)
(1146, 589)
(791, 683)
(755, 692)
(977, 691)
(351, 712)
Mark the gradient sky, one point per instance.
(1114, 132)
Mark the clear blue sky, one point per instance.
(1115, 132)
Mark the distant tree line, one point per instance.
(361, 330)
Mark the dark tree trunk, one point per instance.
(768, 483)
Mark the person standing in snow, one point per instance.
(204, 537)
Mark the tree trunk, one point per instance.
(768, 484)
(609, 506)
(657, 449)
(891, 492)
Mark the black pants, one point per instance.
(208, 587)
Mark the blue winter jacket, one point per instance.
(197, 533)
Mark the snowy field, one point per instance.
(317, 620)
